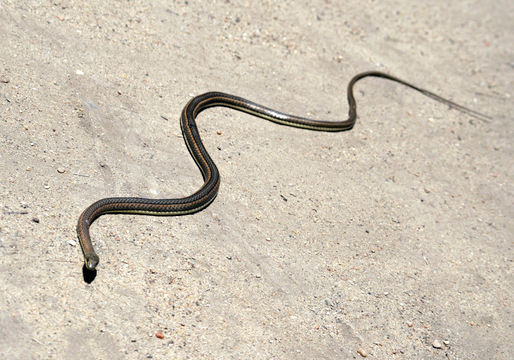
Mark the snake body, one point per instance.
(208, 191)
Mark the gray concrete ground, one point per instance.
(391, 241)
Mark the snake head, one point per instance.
(91, 261)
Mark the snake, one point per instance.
(204, 196)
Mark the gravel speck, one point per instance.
(362, 352)
(436, 344)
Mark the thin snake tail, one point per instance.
(452, 105)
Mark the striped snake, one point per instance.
(208, 191)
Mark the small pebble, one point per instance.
(36, 220)
(79, 72)
(71, 242)
(409, 324)
(219, 132)
(61, 170)
(437, 344)
(446, 342)
(362, 352)
(159, 335)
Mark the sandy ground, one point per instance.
(393, 240)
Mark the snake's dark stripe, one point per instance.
(207, 193)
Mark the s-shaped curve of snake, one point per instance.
(208, 191)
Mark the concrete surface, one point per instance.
(391, 241)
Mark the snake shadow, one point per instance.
(88, 275)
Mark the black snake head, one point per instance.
(91, 261)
